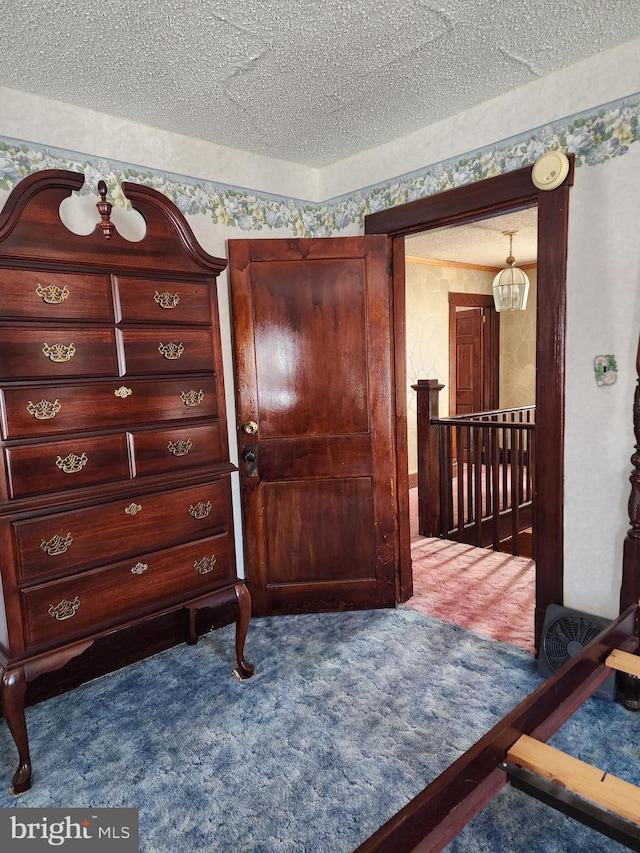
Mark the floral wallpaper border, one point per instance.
(594, 136)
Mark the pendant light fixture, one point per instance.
(511, 285)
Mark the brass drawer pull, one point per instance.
(64, 610)
(172, 350)
(59, 352)
(205, 565)
(122, 392)
(44, 410)
(200, 510)
(166, 299)
(139, 568)
(192, 398)
(56, 545)
(133, 509)
(180, 448)
(71, 464)
(52, 294)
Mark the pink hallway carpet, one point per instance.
(482, 590)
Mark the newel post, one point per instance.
(428, 392)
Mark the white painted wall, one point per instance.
(518, 351)
(603, 276)
(53, 123)
(603, 316)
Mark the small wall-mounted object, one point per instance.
(605, 369)
(550, 170)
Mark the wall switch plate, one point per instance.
(605, 369)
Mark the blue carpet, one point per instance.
(348, 717)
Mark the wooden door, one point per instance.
(474, 353)
(467, 368)
(312, 347)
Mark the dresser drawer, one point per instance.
(27, 353)
(55, 544)
(63, 609)
(42, 295)
(163, 450)
(156, 301)
(168, 350)
(61, 465)
(54, 409)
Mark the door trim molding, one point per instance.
(481, 200)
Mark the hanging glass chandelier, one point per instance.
(511, 285)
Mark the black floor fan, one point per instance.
(566, 632)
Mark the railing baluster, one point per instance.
(530, 442)
(486, 463)
(468, 478)
(516, 474)
(495, 475)
(477, 487)
(504, 467)
(461, 473)
(528, 495)
(446, 480)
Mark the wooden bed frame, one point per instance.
(433, 818)
(514, 750)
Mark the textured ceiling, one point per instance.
(309, 82)
(481, 242)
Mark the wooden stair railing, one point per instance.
(475, 473)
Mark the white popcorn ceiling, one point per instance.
(308, 82)
(481, 242)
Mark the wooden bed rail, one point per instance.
(436, 815)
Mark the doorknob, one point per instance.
(250, 427)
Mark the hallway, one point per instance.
(479, 589)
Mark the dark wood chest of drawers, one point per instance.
(115, 499)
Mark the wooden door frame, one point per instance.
(511, 191)
(490, 353)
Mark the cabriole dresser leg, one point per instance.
(12, 692)
(245, 669)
